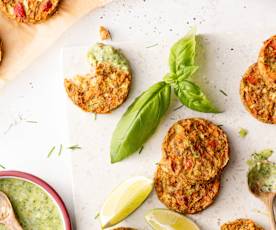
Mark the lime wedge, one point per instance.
(124, 200)
(164, 219)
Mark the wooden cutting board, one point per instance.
(24, 43)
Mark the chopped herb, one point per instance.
(195, 154)
(97, 215)
(60, 150)
(17, 121)
(151, 46)
(51, 151)
(225, 94)
(177, 108)
(74, 147)
(243, 132)
(141, 149)
(32, 122)
(220, 125)
(95, 116)
(3, 167)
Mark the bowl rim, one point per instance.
(48, 188)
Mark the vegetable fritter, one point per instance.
(180, 196)
(267, 59)
(241, 224)
(29, 11)
(197, 148)
(108, 84)
(258, 96)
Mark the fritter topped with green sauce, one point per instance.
(107, 86)
(262, 172)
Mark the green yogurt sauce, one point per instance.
(106, 53)
(34, 208)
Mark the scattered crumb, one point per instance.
(243, 132)
(104, 33)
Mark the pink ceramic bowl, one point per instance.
(46, 187)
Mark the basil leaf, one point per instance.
(186, 72)
(192, 96)
(182, 53)
(170, 78)
(140, 121)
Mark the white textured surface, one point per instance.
(238, 24)
(231, 33)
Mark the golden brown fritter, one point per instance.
(241, 224)
(29, 11)
(267, 59)
(258, 96)
(101, 91)
(197, 148)
(180, 196)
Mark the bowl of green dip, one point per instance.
(36, 204)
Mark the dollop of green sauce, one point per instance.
(33, 207)
(106, 53)
(262, 172)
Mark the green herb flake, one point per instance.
(74, 147)
(51, 152)
(151, 46)
(94, 116)
(97, 216)
(225, 94)
(243, 132)
(2, 166)
(29, 121)
(179, 107)
(195, 154)
(141, 149)
(60, 150)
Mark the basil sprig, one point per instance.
(143, 116)
(182, 67)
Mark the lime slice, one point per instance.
(164, 219)
(124, 200)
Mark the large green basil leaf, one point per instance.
(182, 53)
(192, 96)
(140, 121)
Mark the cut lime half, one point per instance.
(124, 200)
(164, 219)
